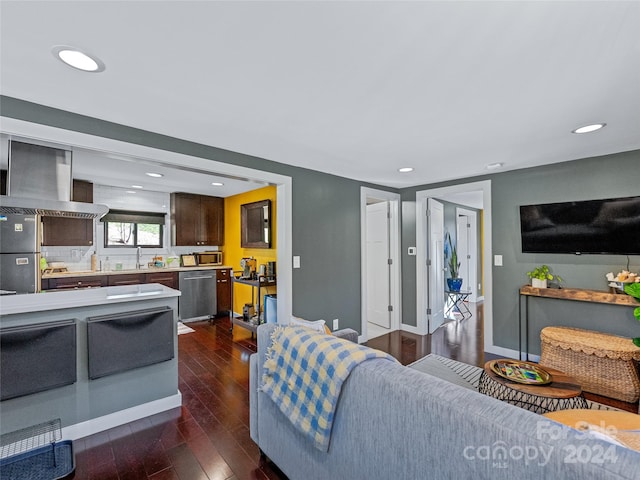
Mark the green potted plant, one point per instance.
(540, 275)
(633, 289)
(455, 282)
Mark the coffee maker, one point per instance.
(271, 271)
(248, 265)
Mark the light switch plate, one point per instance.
(497, 260)
(296, 261)
(412, 251)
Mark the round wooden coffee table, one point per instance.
(562, 393)
(622, 426)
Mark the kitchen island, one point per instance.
(95, 358)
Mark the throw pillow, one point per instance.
(317, 325)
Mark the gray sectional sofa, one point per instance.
(395, 422)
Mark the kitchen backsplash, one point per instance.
(78, 259)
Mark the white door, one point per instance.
(378, 268)
(467, 249)
(435, 264)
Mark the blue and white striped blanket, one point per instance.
(303, 375)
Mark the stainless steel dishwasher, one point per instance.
(198, 299)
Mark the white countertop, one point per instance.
(90, 273)
(61, 299)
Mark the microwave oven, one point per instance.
(209, 258)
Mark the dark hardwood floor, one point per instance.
(208, 437)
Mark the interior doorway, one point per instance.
(380, 262)
(467, 249)
(152, 156)
(453, 193)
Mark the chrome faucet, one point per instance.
(138, 255)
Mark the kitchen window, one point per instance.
(133, 229)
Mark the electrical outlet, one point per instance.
(335, 324)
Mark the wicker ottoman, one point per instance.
(603, 364)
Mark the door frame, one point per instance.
(434, 272)
(473, 234)
(394, 250)
(283, 183)
(421, 207)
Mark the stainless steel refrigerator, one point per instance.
(19, 253)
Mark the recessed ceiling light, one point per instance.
(155, 175)
(137, 186)
(405, 169)
(493, 166)
(217, 184)
(78, 59)
(589, 128)
(131, 191)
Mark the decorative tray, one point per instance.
(521, 372)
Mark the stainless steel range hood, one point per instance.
(51, 208)
(40, 182)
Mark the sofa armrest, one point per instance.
(348, 334)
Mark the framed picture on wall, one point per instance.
(255, 224)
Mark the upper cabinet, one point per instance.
(196, 220)
(61, 231)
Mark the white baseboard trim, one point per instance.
(100, 424)
(410, 329)
(505, 352)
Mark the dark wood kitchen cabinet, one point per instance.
(168, 279)
(223, 291)
(61, 231)
(126, 279)
(77, 282)
(196, 220)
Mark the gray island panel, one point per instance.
(87, 400)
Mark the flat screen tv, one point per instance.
(593, 226)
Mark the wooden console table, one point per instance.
(575, 294)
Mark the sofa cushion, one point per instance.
(458, 373)
(317, 325)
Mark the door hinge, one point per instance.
(390, 308)
(428, 311)
(429, 263)
(468, 256)
(389, 261)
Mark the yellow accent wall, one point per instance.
(232, 250)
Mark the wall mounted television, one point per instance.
(610, 226)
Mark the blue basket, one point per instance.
(49, 462)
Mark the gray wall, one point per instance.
(600, 177)
(607, 176)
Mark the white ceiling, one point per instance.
(357, 89)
